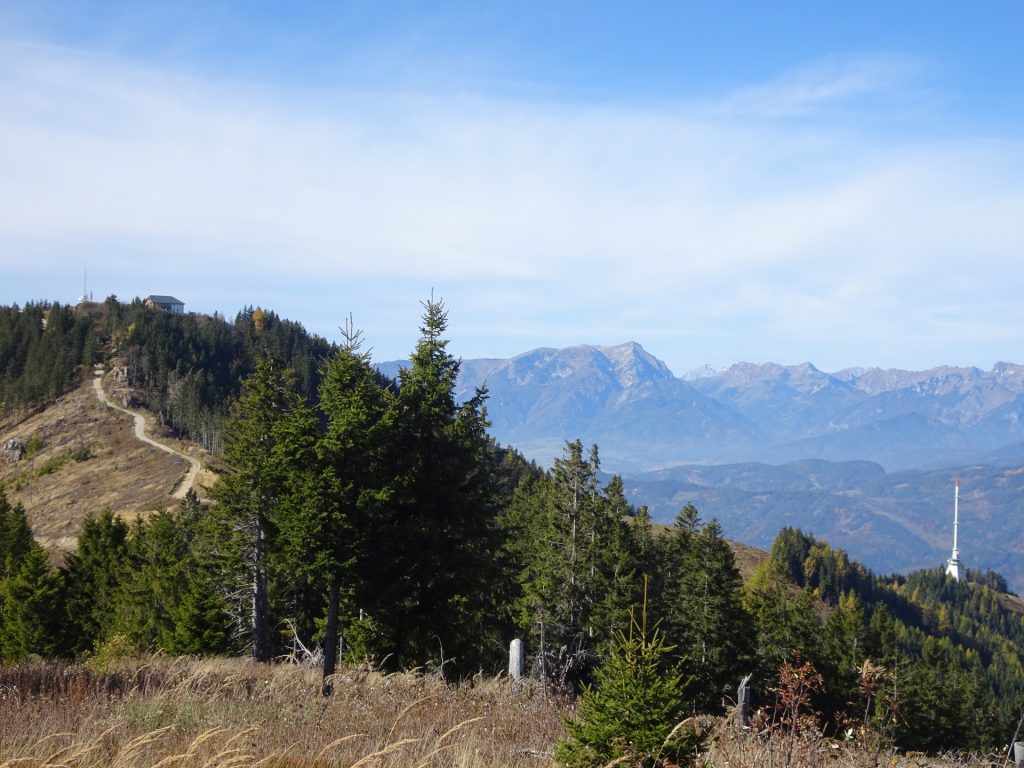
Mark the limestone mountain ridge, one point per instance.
(644, 417)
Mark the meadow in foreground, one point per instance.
(231, 713)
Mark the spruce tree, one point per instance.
(15, 544)
(440, 540)
(94, 573)
(845, 650)
(32, 599)
(529, 546)
(787, 621)
(576, 552)
(254, 493)
(706, 618)
(351, 488)
(15, 536)
(575, 502)
(626, 564)
(632, 714)
(201, 615)
(151, 590)
(167, 598)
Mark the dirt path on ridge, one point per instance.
(189, 480)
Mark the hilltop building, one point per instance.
(166, 303)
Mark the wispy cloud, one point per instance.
(760, 226)
(829, 82)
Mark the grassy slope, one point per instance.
(121, 473)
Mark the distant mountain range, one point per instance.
(864, 458)
(643, 417)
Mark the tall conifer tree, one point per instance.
(442, 539)
(352, 487)
(32, 599)
(259, 446)
(15, 536)
(706, 618)
(94, 573)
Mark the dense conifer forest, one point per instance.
(377, 520)
(185, 368)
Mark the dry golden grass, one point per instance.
(230, 713)
(233, 714)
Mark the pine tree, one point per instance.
(440, 540)
(32, 601)
(255, 492)
(94, 573)
(351, 488)
(631, 715)
(705, 615)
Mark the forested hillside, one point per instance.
(891, 521)
(41, 347)
(378, 520)
(184, 368)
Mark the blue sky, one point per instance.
(720, 181)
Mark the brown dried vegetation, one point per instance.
(231, 713)
(222, 712)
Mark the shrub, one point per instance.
(112, 654)
(33, 445)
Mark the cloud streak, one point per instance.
(767, 225)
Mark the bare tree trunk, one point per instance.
(260, 601)
(331, 636)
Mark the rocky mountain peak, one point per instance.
(704, 372)
(633, 363)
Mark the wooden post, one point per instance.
(515, 659)
(743, 702)
(1018, 754)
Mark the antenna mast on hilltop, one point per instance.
(953, 564)
(86, 296)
